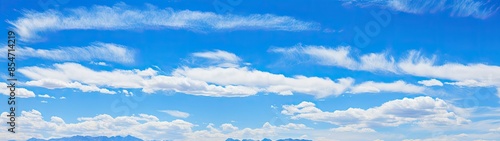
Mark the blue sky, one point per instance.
(211, 70)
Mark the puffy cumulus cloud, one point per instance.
(431, 82)
(124, 17)
(424, 111)
(340, 57)
(176, 113)
(32, 124)
(461, 8)
(229, 131)
(376, 87)
(94, 52)
(20, 92)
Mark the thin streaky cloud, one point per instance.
(219, 58)
(124, 17)
(459, 8)
(175, 113)
(341, 57)
(94, 52)
(412, 63)
(46, 96)
(396, 86)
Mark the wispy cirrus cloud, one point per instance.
(461, 8)
(219, 58)
(94, 52)
(413, 63)
(341, 57)
(175, 113)
(209, 80)
(474, 74)
(396, 86)
(124, 17)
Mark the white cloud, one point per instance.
(229, 131)
(62, 97)
(176, 113)
(99, 63)
(498, 92)
(377, 62)
(220, 58)
(471, 75)
(424, 111)
(495, 129)
(127, 93)
(469, 83)
(430, 82)
(228, 127)
(267, 82)
(220, 81)
(340, 57)
(376, 87)
(43, 101)
(94, 52)
(461, 137)
(325, 56)
(46, 96)
(20, 92)
(210, 81)
(72, 75)
(32, 124)
(124, 17)
(57, 84)
(466, 75)
(352, 128)
(460, 8)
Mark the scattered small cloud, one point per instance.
(175, 113)
(430, 82)
(46, 96)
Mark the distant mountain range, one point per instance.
(89, 138)
(131, 138)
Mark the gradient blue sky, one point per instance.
(189, 70)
